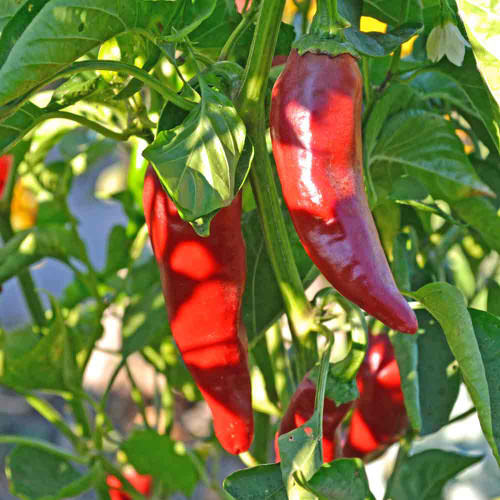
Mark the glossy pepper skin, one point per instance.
(142, 483)
(301, 409)
(203, 282)
(379, 418)
(316, 136)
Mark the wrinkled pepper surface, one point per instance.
(379, 417)
(301, 409)
(203, 281)
(317, 144)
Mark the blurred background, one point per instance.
(97, 216)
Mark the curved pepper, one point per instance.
(301, 409)
(379, 418)
(203, 281)
(316, 135)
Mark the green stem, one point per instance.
(261, 438)
(41, 445)
(26, 282)
(248, 459)
(117, 136)
(47, 411)
(8, 191)
(463, 415)
(250, 105)
(95, 65)
(137, 397)
(327, 20)
(366, 81)
(245, 23)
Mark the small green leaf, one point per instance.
(494, 298)
(163, 458)
(118, 250)
(197, 161)
(446, 303)
(425, 474)
(261, 482)
(342, 479)
(374, 44)
(406, 352)
(439, 381)
(487, 330)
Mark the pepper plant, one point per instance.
(267, 147)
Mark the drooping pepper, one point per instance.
(301, 409)
(316, 136)
(203, 281)
(379, 418)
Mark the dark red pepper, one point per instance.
(379, 418)
(203, 281)
(316, 135)
(301, 409)
(142, 483)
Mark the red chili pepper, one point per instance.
(301, 409)
(142, 483)
(203, 281)
(5, 164)
(379, 418)
(316, 135)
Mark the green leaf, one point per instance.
(487, 330)
(389, 11)
(374, 44)
(197, 162)
(343, 479)
(482, 216)
(17, 125)
(438, 377)
(166, 460)
(425, 474)
(46, 362)
(446, 303)
(7, 10)
(406, 352)
(65, 30)
(118, 254)
(483, 25)
(261, 482)
(195, 14)
(28, 247)
(36, 474)
(480, 98)
(433, 148)
(493, 298)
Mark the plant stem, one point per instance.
(366, 80)
(250, 105)
(26, 282)
(247, 20)
(463, 415)
(137, 397)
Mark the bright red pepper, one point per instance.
(5, 164)
(301, 409)
(203, 282)
(379, 418)
(142, 483)
(316, 135)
